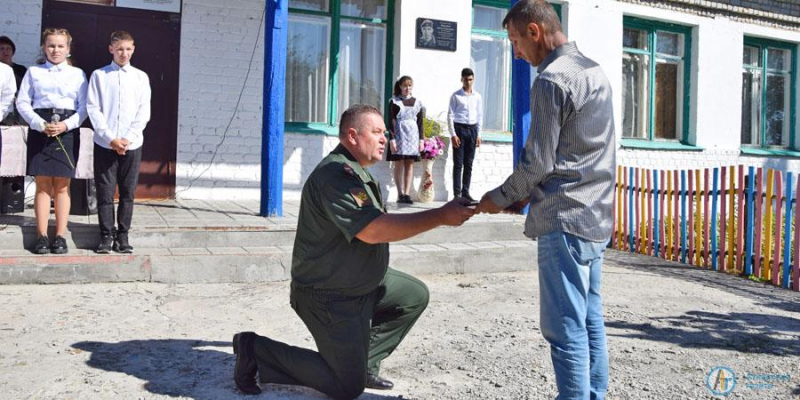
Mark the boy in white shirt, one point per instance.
(464, 120)
(119, 106)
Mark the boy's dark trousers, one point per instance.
(110, 170)
(463, 156)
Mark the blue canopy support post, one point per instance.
(275, 33)
(521, 101)
(521, 98)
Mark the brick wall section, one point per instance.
(21, 21)
(217, 41)
(784, 7)
(776, 13)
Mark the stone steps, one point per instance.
(85, 236)
(193, 241)
(248, 263)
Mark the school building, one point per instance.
(697, 83)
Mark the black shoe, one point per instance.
(408, 199)
(121, 244)
(376, 382)
(59, 246)
(245, 369)
(468, 197)
(42, 245)
(105, 245)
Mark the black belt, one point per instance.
(60, 111)
(460, 124)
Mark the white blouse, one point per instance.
(8, 87)
(52, 86)
(118, 104)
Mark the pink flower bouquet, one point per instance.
(432, 147)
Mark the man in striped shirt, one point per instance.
(566, 172)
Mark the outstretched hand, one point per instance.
(456, 212)
(487, 206)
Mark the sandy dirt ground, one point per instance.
(668, 326)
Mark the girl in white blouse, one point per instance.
(52, 100)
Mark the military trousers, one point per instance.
(353, 335)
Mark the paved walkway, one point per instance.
(166, 214)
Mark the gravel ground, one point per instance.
(668, 326)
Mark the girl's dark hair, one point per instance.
(399, 82)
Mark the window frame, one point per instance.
(763, 46)
(504, 5)
(652, 27)
(330, 127)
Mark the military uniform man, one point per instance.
(357, 309)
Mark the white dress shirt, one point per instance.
(465, 109)
(8, 88)
(119, 104)
(52, 86)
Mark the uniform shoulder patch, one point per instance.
(360, 196)
(348, 169)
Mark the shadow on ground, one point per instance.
(185, 368)
(763, 294)
(742, 332)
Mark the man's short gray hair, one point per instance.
(539, 12)
(351, 118)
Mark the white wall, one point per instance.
(436, 74)
(21, 20)
(217, 43)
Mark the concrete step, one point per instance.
(86, 236)
(249, 264)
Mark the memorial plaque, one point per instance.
(436, 35)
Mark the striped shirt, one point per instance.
(567, 167)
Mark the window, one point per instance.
(767, 96)
(655, 71)
(491, 61)
(336, 57)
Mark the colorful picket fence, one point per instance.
(728, 219)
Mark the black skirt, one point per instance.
(45, 155)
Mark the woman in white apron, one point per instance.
(406, 115)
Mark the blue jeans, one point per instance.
(571, 314)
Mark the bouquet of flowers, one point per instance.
(432, 147)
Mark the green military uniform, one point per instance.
(357, 309)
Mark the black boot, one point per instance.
(42, 245)
(376, 382)
(59, 246)
(121, 244)
(105, 245)
(245, 369)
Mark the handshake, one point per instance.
(458, 211)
